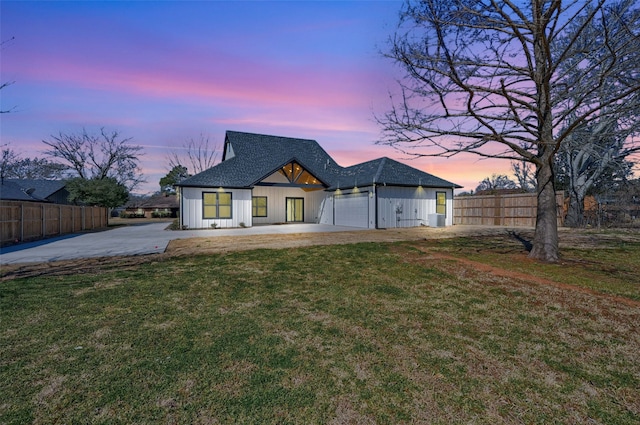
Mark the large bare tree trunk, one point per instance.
(545, 241)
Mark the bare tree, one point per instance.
(524, 173)
(14, 166)
(487, 77)
(195, 155)
(594, 155)
(5, 84)
(97, 157)
(594, 159)
(494, 183)
(8, 157)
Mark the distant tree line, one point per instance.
(100, 169)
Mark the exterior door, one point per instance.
(295, 209)
(352, 210)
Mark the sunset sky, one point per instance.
(165, 72)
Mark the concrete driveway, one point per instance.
(135, 240)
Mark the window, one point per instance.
(441, 203)
(216, 205)
(295, 209)
(259, 206)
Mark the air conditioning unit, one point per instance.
(437, 220)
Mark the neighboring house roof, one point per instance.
(38, 189)
(10, 191)
(249, 158)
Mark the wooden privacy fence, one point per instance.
(29, 221)
(517, 209)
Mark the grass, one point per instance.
(362, 333)
(610, 265)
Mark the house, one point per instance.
(156, 206)
(36, 190)
(269, 179)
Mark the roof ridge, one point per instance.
(383, 160)
(269, 135)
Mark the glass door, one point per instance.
(295, 209)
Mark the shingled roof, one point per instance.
(10, 191)
(39, 189)
(388, 172)
(249, 158)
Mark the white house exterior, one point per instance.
(269, 179)
(385, 207)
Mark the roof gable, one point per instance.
(250, 158)
(257, 156)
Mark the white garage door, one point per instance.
(352, 210)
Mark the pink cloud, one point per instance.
(231, 84)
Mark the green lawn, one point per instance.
(363, 333)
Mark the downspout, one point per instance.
(181, 207)
(375, 199)
(375, 191)
(453, 212)
(333, 204)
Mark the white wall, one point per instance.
(409, 206)
(326, 209)
(191, 208)
(415, 205)
(277, 204)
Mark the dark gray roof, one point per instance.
(10, 191)
(389, 172)
(39, 189)
(250, 158)
(256, 156)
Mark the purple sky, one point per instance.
(166, 72)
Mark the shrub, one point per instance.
(161, 214)
(175, 225)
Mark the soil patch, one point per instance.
(511, 274)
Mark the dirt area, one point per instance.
(576, 238)
(243, 243)
(223, 244)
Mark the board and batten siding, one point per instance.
(191, 208)
(326, 209)
(277, 203)
(410, 206)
